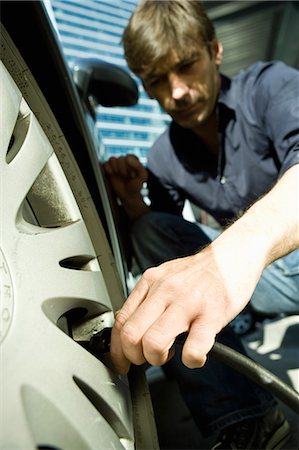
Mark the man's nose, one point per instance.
(178, 87)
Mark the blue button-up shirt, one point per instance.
(258, 116)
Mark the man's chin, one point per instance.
(191, 122)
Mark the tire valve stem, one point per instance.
(99, 343)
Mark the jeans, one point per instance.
(216, 395)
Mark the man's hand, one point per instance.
(199, 294)
(126, 175)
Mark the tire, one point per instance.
(58, 286)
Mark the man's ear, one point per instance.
(217, 49)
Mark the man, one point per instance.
(232, 149)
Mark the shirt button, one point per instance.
(223, 180)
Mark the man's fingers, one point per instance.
(112, 166)
(135, 168)
(127, 166)
(118, 166)
(136, 297)
(159, 338)
(199, 342)
(107, 168)
(150, 320)
(143, 309)
(136, 327)
(120, 362)
(118, 352)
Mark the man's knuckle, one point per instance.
(130, 335)
(193, 357)
(150, 274)
(153, 343)
(120, 320)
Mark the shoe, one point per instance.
(268, 432)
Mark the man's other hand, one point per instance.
(126, 175)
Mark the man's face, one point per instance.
(187, 89)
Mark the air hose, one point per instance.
(252, 370)
(256, 373)
(100, 344)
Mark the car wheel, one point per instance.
(58, 287)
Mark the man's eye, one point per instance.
(187, 65)
(154, 82)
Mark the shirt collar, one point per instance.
(227, 95)
(226, 103)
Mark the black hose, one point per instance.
(257, 373)
(100, 343)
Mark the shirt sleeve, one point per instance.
(277, 106)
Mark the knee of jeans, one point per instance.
(151, 225)
(146, 225)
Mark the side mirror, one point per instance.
(106, 84)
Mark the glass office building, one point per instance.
(93, 28)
